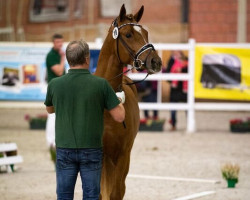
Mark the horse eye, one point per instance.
(128, 35)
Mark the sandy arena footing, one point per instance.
(163, 166)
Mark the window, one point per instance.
(78, 8)
(49, 10)
(111, 8)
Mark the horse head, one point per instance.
(131, 42)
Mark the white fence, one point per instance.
(190, 106)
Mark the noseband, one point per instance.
(137, 63)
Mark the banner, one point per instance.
(222, 73)
(23, 70)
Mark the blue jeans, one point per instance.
(71, 161)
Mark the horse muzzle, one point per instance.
(153, 64)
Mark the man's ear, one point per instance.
(87, 60)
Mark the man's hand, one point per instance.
(62, 53)
(50, 109)
(121, 96)
(58, 69)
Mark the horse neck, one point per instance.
(108, 65)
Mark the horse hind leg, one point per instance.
(121, 171)
(107, 179)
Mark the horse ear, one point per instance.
(139, 14)
(122, 14)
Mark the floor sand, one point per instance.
(171, 154)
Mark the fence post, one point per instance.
(190, 99)
(159, 82)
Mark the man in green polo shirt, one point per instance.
(55, 60)
(55, 63)
(79, 99)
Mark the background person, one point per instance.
(79, 99)
(55, 63)
(148, 92)
(177, 63)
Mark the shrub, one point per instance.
(230, 171)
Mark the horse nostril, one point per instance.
(155, 63)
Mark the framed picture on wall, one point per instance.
(10, 76)
(30, 74)
(49, 10)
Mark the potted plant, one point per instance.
(240, 125)
(230, 172)
(151, 124)
(37, 122)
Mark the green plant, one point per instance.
(41, 118)
(52, 151)
(37, 122)
(230, 171)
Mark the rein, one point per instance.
(134, 82)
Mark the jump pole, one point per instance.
(172, 178)
(196, 195)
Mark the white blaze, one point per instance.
(138, 29)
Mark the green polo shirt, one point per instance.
(79, 99)
(53, 58)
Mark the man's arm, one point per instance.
(58, 69)
(114, 103)
(48, 100)
(50, 109)
(118, 113)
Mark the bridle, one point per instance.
(137, 62)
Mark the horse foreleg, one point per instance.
(121, 171)
(107, 179)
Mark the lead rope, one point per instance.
(119, 88)
(134, 82)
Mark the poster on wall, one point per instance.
(222, 73)
(23, 71)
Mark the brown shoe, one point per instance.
(173, 128)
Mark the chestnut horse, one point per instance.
(126, 43)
